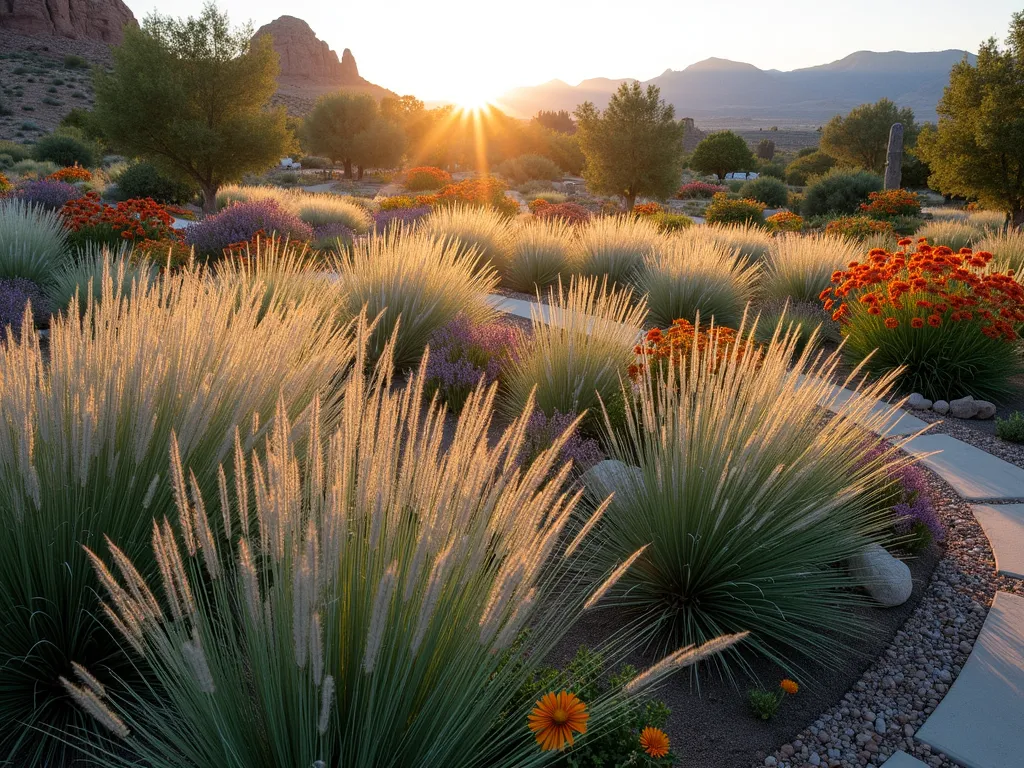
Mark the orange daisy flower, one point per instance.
(892, 322)
(789, 686)
(916, 322)
(654, 742)
(555, 717)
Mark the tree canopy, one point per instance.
(722, 153)
(192, 96)
(977, 149)
(635, 147)
(861, 139)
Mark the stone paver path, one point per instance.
(902, 760)
(974, 474)
(1004, 527)
(980, 722)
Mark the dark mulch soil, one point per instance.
(714, 727)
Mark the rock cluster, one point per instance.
(963, 408)
(99, 20)
(305, 57)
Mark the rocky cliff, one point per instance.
(307, 58)
(99, 20)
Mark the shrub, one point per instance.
(1007, 249)
(722, 210)
(692, 275)
(785, 221)
(773, 170)
(241, 222)
(581, 342)
(315, 162)
(485, 192)
(616, 246)
(905, 225)
(953, 234)
(859, 227)
(463, 354)
(542, 251)
(548, 197)
(15, 151)
(16, 293)
(91, 221)
(72, 61)
(529, 167)
(48, 194)
(191, 358)
(941, 317)
(891, 204)
(801, 267)
(31, 169)
(839, 191)
(71, 174)
(808, 166)
(571, 213)
(1011, 429)
(749, 240)
(141, 179)
(420, 279)
(64, 150)
(483, 231)
(397, 203)
(318, 210)
(772, 192)
(699, 190)
(716, 475)
(33, 241)
(97, 266)
(365, 621)
(424, 178)
(5, 185)
(667, 221)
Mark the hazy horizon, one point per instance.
(418, 48)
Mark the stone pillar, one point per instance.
(894, 159)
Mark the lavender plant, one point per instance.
(462, 354)
(15, 295)
(48, 193)
(542, 431)
(241, 222)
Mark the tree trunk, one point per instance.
(348, 168)
(209, 198)
(1017, 218)
(359, 172)
(630, 198)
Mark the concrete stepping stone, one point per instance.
(902, 760)
(974, 474)
(899, 422)
(1004, 526)
(979, 722)
(516, 307)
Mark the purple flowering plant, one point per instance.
(48, 193)
(908, 498)
(461, 354)
(241, 222)
(541, 431)
(399, 216)
(15, 293)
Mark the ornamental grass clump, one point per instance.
(616, 247)
(752, 242)
(83, 453)
(688, 276)
(415, 283)
(320, 210)
(952, 234)
(358, 600)
(799, 268)
(91, 268)
(749, 499)
(473, 228)
(943, 321)
(542, 251)
(33, 241)
(580, 346)
(1007, 249)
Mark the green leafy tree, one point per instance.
(861, 138)
(379, 146)
(766, 149)
(335, 122)
(560, 121)
(635, 147)
(977, 150)
(722, 153)
(807, 166)
(192, 97)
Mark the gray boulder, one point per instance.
(918, 402)
(986, 410)
(964, 408)
(611, 476)
(884, 577)
(941, 407)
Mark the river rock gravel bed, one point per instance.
(897, 692)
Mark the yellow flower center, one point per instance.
(560, 716)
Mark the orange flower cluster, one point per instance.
(892, 203)
(426, 177)
(931, 285)
(483, 191)
(5, 185)
(138, 219)
(785, 221)
(676, 342)
(163, 253)
(646, 209)
(71, 174)
(536, 205)
(858, 227)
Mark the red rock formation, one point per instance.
(304, 57)
(99, 20)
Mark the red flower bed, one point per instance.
(426, 177)
(71, 174)
(892, 203)
(91, 220)
(571, 212)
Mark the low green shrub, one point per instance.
(141, 179)
(806, 167)
(722, 210)
(770, 191)
(529, 167)
(840, 191)
(64, 150)
(1011, 429)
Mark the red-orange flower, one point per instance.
(555, 717)
(892, 322)
(916, 322)
(654, 742)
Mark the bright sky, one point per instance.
(469, 50)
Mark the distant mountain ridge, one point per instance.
(721, 88)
